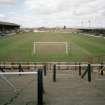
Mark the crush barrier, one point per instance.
(88, 70)
(40, 87)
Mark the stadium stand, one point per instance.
(8, 28)
(95, 31)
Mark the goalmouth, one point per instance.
(64, 44)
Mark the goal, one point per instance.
(55, 46)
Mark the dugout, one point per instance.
(8, 28)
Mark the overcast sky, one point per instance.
(37, 13)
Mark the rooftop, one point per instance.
(8, 23)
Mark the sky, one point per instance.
(54, 13)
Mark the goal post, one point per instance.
(51, 43)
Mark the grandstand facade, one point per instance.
(8, 28)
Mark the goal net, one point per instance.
(50, 48)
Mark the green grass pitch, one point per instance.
(20, 48)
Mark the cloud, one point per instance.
(7, 1)
(42, 6)
(2, 16)
(74, 7)
(59, 12)
(56, 12)
(52, 6)
(91, 8)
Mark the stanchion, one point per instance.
(20, 68)
(54, 73)
(45, 71)
(89, 72)
(101, 67)
(1, 69)
(40, 87)
(79, 69)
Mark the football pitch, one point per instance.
(19, 47)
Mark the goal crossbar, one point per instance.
(50, 42)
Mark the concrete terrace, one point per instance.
(69, 89)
